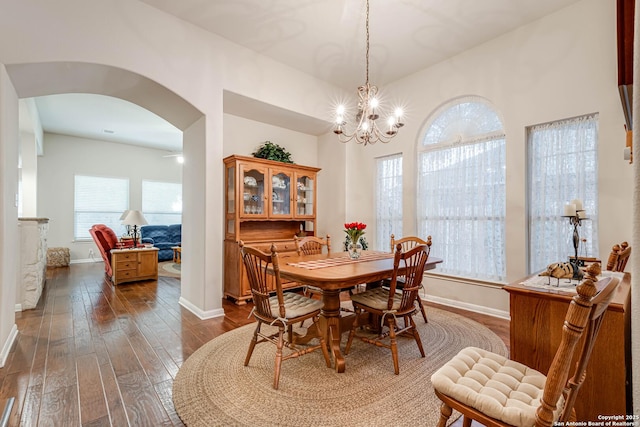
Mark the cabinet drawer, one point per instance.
(126, 256)
(126, 274)
(287, 248)
(126, 265)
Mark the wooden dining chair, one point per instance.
(312, 245)
(388, 305)
(618, 257)
(409, 242)
(281, 310)
(496, 391)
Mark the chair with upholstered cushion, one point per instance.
(409, 242)
(618, 257)
(106, 240)
(281, 310)
(496, 391)
(390, 304)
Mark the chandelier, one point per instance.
(369, 110)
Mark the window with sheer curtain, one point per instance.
(461, 189)
(162, 202)
(562, 166)
(388, 200)
(99, 200)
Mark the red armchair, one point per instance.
(106, 240)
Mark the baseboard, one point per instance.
(84, 260)
(18, 308)
(7, 345)
(469, 307)
(202, 315)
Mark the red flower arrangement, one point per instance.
(354, 230)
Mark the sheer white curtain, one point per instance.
(461, 189)
(388, 200)
(562, 166)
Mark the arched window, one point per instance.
(461, 188)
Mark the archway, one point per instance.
(39, 79)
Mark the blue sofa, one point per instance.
(162, 237)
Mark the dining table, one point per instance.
(336, 272)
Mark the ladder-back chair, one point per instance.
(496, 391)
(410, 242)
(312, 245)
(390, 306)
(281, 310)
(618, 257)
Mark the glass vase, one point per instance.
(354, 250)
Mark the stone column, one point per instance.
(33, 260)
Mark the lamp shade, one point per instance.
(124, 214)
(134, 218)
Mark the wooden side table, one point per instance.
(177, 254)
(537, 316)
(130, 265)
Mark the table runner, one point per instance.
(342, 260)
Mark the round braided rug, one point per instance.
(213, 388)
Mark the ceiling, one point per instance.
(324, 38)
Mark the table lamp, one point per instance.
(134, 218)
(122, 217)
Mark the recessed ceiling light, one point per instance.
(107, 131)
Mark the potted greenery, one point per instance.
(271, 151)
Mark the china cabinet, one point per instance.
(266, 201)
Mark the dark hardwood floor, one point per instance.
(91, 354)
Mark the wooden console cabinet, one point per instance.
(537, 316)
(266, 202)
(130, 265)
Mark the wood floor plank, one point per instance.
(115, 404)
(94, 354)
(93, 405)
(15, 385)
(60, 366)
(165, 394)
(60, 408)
(141, 402)
(122, 357)
(31, 406)
(148, 359)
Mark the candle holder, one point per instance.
(575, 221)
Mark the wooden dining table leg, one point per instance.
(330, 325)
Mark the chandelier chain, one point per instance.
(367, 51)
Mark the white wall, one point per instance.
(66, 156)
(561, 66)
(243, 136)
(9, 241)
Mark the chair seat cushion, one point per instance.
(377, 298)
(295, 305)
(494, 385)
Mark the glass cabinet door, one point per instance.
(231, 190)
(253, 192)
(231, 202)
(281, 194)
(305, 196)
